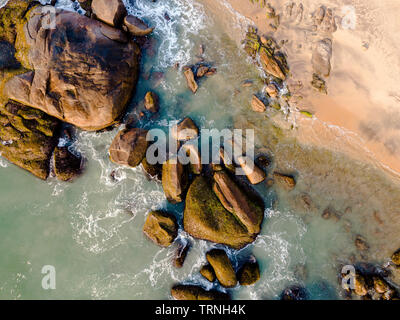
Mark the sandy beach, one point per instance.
(360, 113)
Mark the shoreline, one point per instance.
(361, 98)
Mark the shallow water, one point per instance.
(91, 230)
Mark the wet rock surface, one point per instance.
(161, 228)
(67, 166)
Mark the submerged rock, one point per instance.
(222, 266)
(294, 293)
(270, 65)
(27, 137)
(249, 274)
(129, 147)
(66, 165)
(208, 273)
(152, 170)
(191, 82)
(206, 218)
(286, 182)
(161, 228)
(111, 12)
(151, 102)
(191, 292)
(319, 83)
(137, 27)
(174, 180)
(237, 202)
(61, 82)
(181, 253)
(252, 171)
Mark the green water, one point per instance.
(91, 230)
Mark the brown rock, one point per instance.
(194, 156)
(236, 202)
(208, 272)
(257, 105)
(190, 292)
(361, 288)
(129, 147)
(161, 228)
(396, 258)
(286, 182)
(271, 90)
(185, 130)
(137, 27)
(202, 71)
(62, 83)
(152, 170)
(151, 102)
(111, 12)
(380, 285)
(174, 180)
(361, 244)
(270, 65)
(249, 274)
(252, 171)
(191, 82)
(66, 165)
(222, 267)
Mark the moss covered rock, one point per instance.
(161, 228)
(223, 268)
(396, 258)
(206, 218)
(249, 273)
(191, 292)
(208, 273)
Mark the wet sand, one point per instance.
(360, 115)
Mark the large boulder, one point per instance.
(237, 202)
(161, 228)
(222, 266)
(27, 137)
(206, 218)
(66, 165)
(82, 70)
(174, 180)
(111, 12)
(129, 147)
(191, 292)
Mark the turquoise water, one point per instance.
(91, 230)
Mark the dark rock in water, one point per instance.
(263, 161)
(129, 147)
(206, 218)
(174, 180)
(286, 182)
(7, 59)
(161, 228)
(181, 253)
(191, 292)
(137, 27)
(249, 273)
(111, 12)
(222, 266)
(66, 165)
(361, 287)
(237, 202)
(185, 130)
(207, 272)
(151, 102)
(27, 137)
(294, 293)
(153, 170)
(80, 75)
(191, 82)
(85, 5)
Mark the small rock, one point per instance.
(396, 258)
(286, 182)
(137, 27)
(161, 228)
(129, 147)
(202, 71)
(249, 274)
(361, 244)
(207, 272)
(191, 82)
(151, 102)
(271, 90)
(174, 180)
(253, 173)
(319, 83)
(191, 292)
(361, 288)
(222, 267)
(181, 253)
(257, 105)
(211, 72)
(380, 285)
(111, 12)
(66, 165)
(294, 293)
(185, 130)
(152, 170)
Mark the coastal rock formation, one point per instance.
(249, 273)
(181, 253)
(396, 258)
(28, 137)
(80, 74)
(151, 102)
(161, 228)
(321, 57)
(66, 165)
(206, 218)
(208, 273)
(286, 182)
(191, 292)
(252, 171)
(185, 130)
(257, 105)
(294, 293)
(129, 147)
(137, 27)
(191, 82)
(111, 12)
(222, 267)
(174, 180)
